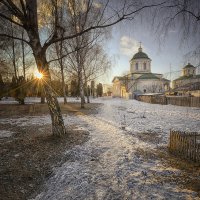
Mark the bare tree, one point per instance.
(181, 16)
(96, 64)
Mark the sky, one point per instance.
(166, 52)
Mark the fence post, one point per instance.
(185, 144)
(170, 140)
(195, 147)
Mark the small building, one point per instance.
(107, 89)
(118, 86)
(188, 83)
(140, 80)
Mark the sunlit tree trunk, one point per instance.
(39, 53)
(58, 127)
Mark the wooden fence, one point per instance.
(154, 99)
(184, 101)
(179, 101)
(185, 145)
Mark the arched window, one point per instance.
(144, 66)
(136, 66)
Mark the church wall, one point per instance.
(188, 71)
(116, 88)
(179, 83)
(150, 85)
(140, 65)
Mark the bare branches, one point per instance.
(13, 37)
(13, 9)
(10, 20)
(102, 25)
(180, 16)
(26, 12)
(191, 13)
(63, 56)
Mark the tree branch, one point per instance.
(9, 19)
(13, 8)
(123, 17)
(63, 56)
(13, 37)
(191, 13)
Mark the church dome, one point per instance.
(188, 66)
(140, 54)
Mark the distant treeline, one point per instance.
(19, 88)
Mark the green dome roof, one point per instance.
(140, 54)
(188, 66)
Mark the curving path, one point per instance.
(112, 165)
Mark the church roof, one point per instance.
(188, 87)
(188, 77)
(140, 54)
(120, 78)
(148, 76)
(164, 79)
(188, 66)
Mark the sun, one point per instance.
(38, 75)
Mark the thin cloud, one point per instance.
(128, 46)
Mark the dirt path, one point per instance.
(115, 164)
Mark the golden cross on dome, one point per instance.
(140, 48)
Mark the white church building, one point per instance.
(140, 80)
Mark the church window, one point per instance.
(136, 66)
(145, 66)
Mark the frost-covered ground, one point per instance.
(32, 100)
(108, 166)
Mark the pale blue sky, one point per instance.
(125, 42)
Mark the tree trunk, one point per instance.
(23, 57)
(59, 49)
(88, 95)
(82, 90)
(88, 98)
(13, 54)
(42, 100)
(63, 81)
(63, 86)
(39, 53)
(58, 128)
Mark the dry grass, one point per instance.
(188, 178)
(28, 157)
